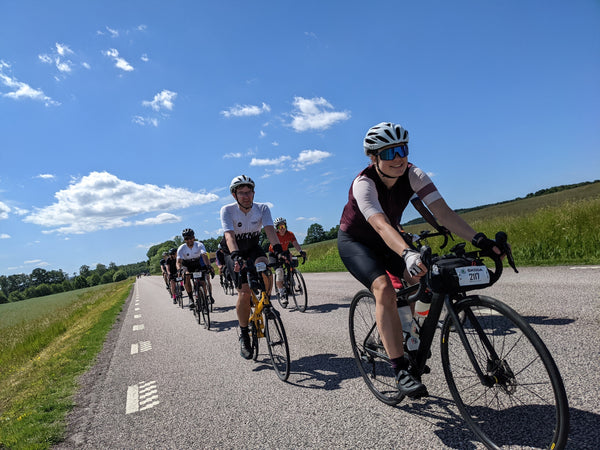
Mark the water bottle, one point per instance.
(421, 312)
(406, 318)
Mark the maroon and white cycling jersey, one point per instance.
(368, 195)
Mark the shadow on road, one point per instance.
(326, 307)
(545, 320)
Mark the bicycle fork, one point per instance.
(501, 373)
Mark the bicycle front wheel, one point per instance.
(371, 358)
(521, 402)
(202, 304)
(254, 340)
(277, 344)
(298, 287)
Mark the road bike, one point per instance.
(203, 305)
(179, 289)
(499, 372)
(293, 282)
(265, 322)
(226, 281)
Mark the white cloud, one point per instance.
(86, 65)
(120, 63)
(63, 49)
(160, 219)
(4, 210)
(308, 157)
(33, 261)
(162, 100)
(101, 201)
(20, 90)
(269, 161)
(310, 219)
(246, 110)
(20, 211)
(262, 134)
(145, 121)
(232, 155)
(314, 114)
(46, 176)
(4, 236)
(144, 58)
(113, 33)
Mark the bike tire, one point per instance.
(207, 309)
(254, 340)
(277, 344)
(524, 403)
(298, 287)
(369, 354)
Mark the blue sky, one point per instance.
(123, 122)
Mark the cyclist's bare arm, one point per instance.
(271, 234)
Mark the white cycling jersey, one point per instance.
(246, 226)
(185, 253)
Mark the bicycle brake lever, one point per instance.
(502, 241)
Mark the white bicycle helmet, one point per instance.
(278, 221)
(382, 135)
(240, 180)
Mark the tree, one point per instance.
(93, 279)
(107, 277)
(3, 298)
(100, 269)
(80, 282)
(84, 271)
(38, 276)
(120, 275)
(314, 234)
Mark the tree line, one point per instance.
(41, 282)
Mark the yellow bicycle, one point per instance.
(265, 322)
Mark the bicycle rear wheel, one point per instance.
(371, 358)
(522, 402)
(277, 344)
(298, 287)
(203, 309)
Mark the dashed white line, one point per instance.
(138, 327)
(141, 347)
(141, 396)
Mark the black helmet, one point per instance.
(172, 251)
(188, 232)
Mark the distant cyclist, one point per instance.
(286, 238)
(220, 261)
(171, 265)
(163, 268)
(242, 222)
(369, 242)
(191, 257)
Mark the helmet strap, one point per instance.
(243, 208)
(380, 171)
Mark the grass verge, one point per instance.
(41, 359)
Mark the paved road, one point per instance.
(163, 381)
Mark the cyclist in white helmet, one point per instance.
(369, 241)
(242, 222)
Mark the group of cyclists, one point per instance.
(369, 240)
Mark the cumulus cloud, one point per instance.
(315, 114)
(120, 62)
(162, 100)
(4, 236)
(46, 176)
(246, 110)
(308, 157)
(61, 57)
(269, 161)
(4, 210)
(19, 90)
(310, 219)
(102, 201)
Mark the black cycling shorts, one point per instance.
(367, 261)
(251, 255)
(193, 265)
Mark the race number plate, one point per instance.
(198, 275)
(472, 275)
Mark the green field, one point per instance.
(46, 344)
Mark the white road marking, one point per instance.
(137, 316)
(137, 309)
(138, 327)
(585, 268)
(141, 347)
(141, 396)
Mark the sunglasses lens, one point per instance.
(390, 153)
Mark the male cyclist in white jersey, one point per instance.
(242, 222)
(191, 257)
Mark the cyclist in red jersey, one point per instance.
(286, 238)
